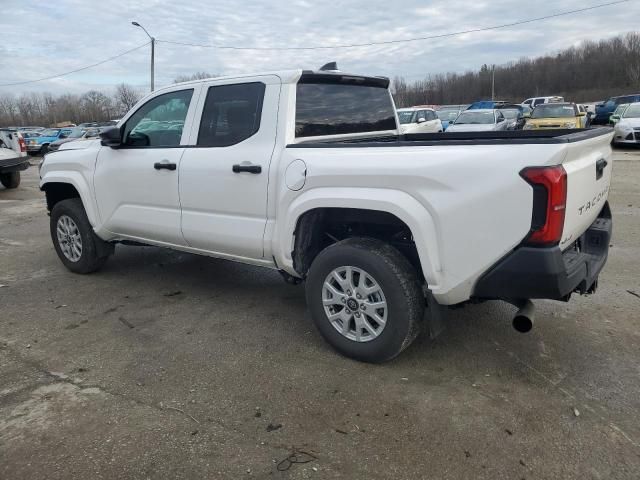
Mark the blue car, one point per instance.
(40, 144)
(606, 109)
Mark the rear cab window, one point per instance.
(333, 104)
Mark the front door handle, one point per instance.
(165, 166)
(247, 168)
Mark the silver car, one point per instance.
(479, 120)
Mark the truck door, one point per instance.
(136, 185)
(224, 175)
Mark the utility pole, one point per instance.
(493, 82)
(153, 51)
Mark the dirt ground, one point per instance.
(169, 365)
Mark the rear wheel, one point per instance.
(365, 299)
(78, 247)
(10, 180)
(44, 149)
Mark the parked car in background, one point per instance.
(419, 120)
(627, 129)
(514, 117)
(40, 144)
(480, 120)
(13, 157)
(606, 109)
(555, 115)
(535, 101)
(75, 136)
(447, 116)
(588, 116)
(617, 113)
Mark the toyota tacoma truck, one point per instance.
(13, 157)
(306, 172)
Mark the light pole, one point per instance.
(493, 82)
(153, 48)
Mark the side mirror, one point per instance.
(111, 137)
(421, 120)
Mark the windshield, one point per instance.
(510, 113)
(632, 112)
(447, 115)
(406, 116)
(550, 110)
(479, 118)
(76, 133)
(50, 132)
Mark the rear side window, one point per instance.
(335, 109)
(231, 114)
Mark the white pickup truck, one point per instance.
(305, 172)
(13, 157)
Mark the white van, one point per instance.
(532, 102)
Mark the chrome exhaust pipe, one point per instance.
(523, 320)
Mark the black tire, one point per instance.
(400, 285)
(44, 149)
(10, 180)
(95, 251)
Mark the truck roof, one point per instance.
(293, 76)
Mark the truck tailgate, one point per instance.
(588, 164)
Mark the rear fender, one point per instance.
(400, 204)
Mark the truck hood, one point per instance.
(471, 127)
(80, 144)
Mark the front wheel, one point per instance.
(10, 180)
(365, 299)
(78, 247)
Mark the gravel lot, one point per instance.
(168, 365)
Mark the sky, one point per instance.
(43, 38)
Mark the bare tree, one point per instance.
(195, 76)
(126, 97)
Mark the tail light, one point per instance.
(549, 203)
(23, 144)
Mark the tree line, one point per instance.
(46, 109)
(593, 71)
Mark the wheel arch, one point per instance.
(71, 185)
(309, 210)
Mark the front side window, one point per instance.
(231, 114)
(159, 122)
(538, 102)
(342, 108)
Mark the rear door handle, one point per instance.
(164, 166)
(600, 166)
(247, 168)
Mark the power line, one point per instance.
(405, 40)
(76, 70)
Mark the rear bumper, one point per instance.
(14, 165)
(530, 272)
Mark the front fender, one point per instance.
(400, 204)
(82, 187)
